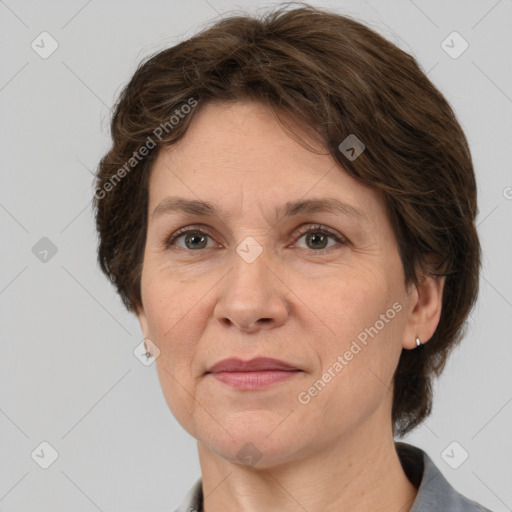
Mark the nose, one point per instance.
(253, 296)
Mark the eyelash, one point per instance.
(316, 228)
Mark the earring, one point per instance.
(147, 354)
(418, 342)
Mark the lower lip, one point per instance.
(254, 380)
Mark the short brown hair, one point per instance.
(336, 77)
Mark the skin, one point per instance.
(298, 302)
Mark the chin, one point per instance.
(260, 445)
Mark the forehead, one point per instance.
(239, 152)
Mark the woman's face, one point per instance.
(256, 280)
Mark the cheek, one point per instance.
(354, 302)
(363, 317)
(168, 303)
(174, 325)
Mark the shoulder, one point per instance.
(434, 491)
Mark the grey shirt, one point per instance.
(435, 494)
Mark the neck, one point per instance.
(361, 472)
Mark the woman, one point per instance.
(288, 207)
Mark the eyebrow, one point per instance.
(173, 204)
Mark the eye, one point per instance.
(196, 239)
(318, 235)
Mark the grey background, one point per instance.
(68, 375)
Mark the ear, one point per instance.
(149, 344)
(143, 321)
(425, 303)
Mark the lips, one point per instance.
(254, 375)
(258, 364)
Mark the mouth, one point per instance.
(255, 374)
